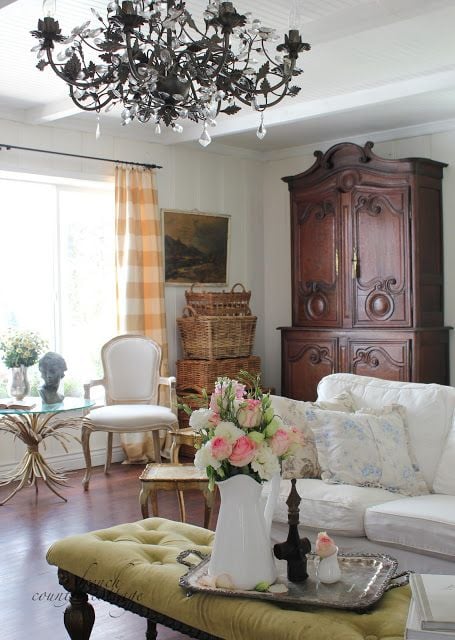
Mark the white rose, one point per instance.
(265, 463)
(199, 419)
(204, 458)
(229, 431)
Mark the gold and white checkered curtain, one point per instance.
(139, 274)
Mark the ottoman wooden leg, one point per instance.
(79, 617)
(151, 633)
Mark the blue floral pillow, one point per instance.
(366, 448)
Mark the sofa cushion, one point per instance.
(424, 524)
(366, 449)
(292, 412)
(429, 409)
(444, 481)
(336, 508)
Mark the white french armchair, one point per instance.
(131, 366)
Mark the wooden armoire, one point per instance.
(367, 271)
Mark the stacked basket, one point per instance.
(217, 332)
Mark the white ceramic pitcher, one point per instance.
(242, 547)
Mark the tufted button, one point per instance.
(371, 637)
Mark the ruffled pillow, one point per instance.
(341, 402)
(366, 448)
(293, 413)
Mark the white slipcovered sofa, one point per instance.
(419, 531)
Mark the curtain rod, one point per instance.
(75, 155)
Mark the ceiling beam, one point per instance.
(51, 112)
(5, 3)
(296, 110)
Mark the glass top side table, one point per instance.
(32, 426)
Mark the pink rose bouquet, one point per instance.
(240, 433)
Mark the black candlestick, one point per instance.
(294, 549)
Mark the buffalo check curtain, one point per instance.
(139, 274)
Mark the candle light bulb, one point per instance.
(296, 16)
(49, 8)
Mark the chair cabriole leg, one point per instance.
(85, 438)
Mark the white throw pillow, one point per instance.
(366, 449)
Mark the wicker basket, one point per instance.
(220, 303)
(210, 337)
(202, 374)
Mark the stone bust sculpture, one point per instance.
(52, 367)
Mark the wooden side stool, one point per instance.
(185, 436)
(174, 477)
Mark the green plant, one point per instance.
(21, 348)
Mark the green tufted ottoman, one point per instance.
(134, 566)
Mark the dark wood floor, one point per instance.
(29, 588)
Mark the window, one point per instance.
(57, 267)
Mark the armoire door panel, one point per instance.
(316, 249)
(380, 257)
(307, 360)
(387, 359)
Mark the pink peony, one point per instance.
(325, 546)
(221, 448)
(242, 452)
(279, 443)
(249, 415)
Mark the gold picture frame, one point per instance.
(196, 247)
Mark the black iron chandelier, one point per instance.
(153, 59)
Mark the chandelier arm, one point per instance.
(203, 34)
(131, 62)
(56, 70)
(267, 55)
(93, 108)
(224, 57)
(258, 92)
(91, 46)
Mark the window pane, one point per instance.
(87, 272)
(58, 275)
(27, 299)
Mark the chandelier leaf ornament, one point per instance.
(152, 58)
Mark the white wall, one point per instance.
(190, 179)
(277, 243)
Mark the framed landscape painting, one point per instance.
(196, 247)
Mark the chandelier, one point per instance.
(154, 60)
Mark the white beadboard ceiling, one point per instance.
(374, 65)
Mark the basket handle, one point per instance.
(189, 312)
(238, 284)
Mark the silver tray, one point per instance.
(364, 580)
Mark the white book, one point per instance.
(414, 629)
(435, 599)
